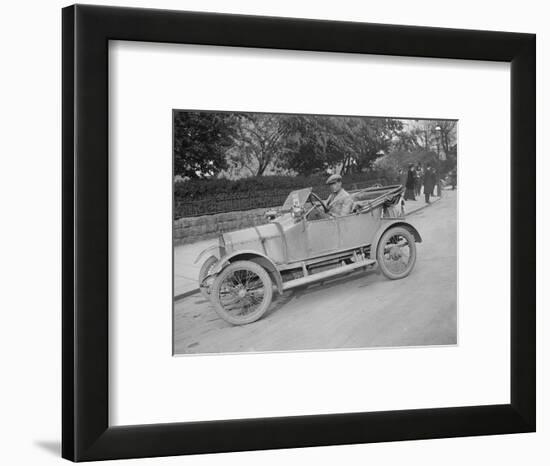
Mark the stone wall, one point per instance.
(192, 229)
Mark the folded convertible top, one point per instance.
(367, 199)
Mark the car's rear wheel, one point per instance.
(396, 253)
(207, 266)
(242, 292)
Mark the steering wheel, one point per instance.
(318, 202)
(318, 205)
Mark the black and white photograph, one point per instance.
(243, 233)
(296, 232)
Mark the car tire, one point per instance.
(229, 296)
(390, 267)
(205, 269)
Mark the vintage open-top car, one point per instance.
(303, 244)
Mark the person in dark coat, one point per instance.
(418, 180)
(411, 178)
(402, 176)
(453, 178)
(429, 183)
(437, 183)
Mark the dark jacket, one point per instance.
(410, 179)
(429, 180)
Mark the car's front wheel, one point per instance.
(242, 292)
(396, 253)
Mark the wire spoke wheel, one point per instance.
(242, 292)
(396, 254)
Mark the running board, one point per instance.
(315, 277)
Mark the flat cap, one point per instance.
(334, 179)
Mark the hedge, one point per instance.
(202, 189)
(203, 197)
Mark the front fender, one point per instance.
(210, 250)
(254, 256)
(385, 227)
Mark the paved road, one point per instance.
(356, 311)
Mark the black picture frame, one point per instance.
(86, 434)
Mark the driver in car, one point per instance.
(339, 202)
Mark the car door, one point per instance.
(357, 229)
(322, 236)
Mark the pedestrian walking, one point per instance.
(402, 177)
(453, 178)
(409, 191)
(429, 183)
(419, 179)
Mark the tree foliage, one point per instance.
(307, 148)
(201, 140)
(258, 144)
(427, 135)
(344, 144)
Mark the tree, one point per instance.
(447, 134)
(258, 142)
(357, 142)
(426, 135)
(307, 145)
(201, 140)
(347, 144)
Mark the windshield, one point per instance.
(296, 199)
